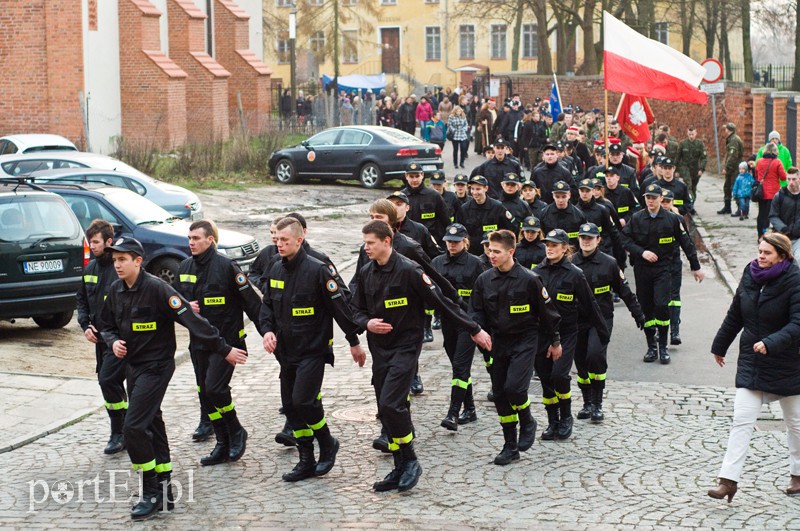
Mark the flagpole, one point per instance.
(621, 99)
(605, 129)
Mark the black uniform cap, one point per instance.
(455, 233)
(126, 245)
(557, 236)
(589, 229)
(531, 223)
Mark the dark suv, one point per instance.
(42, 255)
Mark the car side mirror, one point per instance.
(305, 144)
(117, 228)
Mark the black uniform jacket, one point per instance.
(529, 254)
(452, 202)
(517, 206)
(300, 302)
(399, 292)
(222, 291)
(682, 200)
(605, 278)
(601, 215)
(260, 266)
(494, 170)
(144, 316)
(420, 234)
(624, 201)
(662, 235)
(97, 279)
(784, 213)
(428, 208)
(460, 270)
(512, 303)
(568, 219)
(768, 313)
(488, 217)
(546, 176)
(575, 301)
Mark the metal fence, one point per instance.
(319, 110)
(772, 76)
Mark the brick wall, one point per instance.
(735, 105)
(207, 82)
(42, 51)
(779, 102)
(250, 78)
(153, 87)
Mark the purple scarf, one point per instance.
(762, 275)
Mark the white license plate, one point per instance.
(429, 167)
(43, 266)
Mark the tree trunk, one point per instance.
(561, 48)
(712, 12)
(645, 18)
(687, 8)
(336, 40)
(589, 66)
(544, 59)
(517, 37)
(724, 45)
(747, 54)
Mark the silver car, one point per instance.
(30, 143)
(90, 168)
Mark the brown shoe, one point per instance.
(726, 488)
(794, 486)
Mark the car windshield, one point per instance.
(136, 208)
(36, 218)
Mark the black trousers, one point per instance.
(762, 222)
(511, 373)
(145, 433)
(653, 289)
(591, 356)
(460, 350)
(301, 387)
(676, 279)
(392, 373)
(727, 187)
(213, 375)
(554, 375)
(463, 146)
(111, 377)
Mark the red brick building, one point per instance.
(159, 71)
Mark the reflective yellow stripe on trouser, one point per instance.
(656, 322)
(144, 467)
(307, 432)
(565, 396)
(163, 467)
(523, 406)
(403, 440)
(598, 377)
(461, 383)
(549, 401)
(319, 425)
(508, 419)
(216, 415)
(584, 381)
(116, 405)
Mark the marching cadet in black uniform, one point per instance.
(483, 214)
(461, 186)
(416, 231)
(549, 172)
(217, 289)
(562, 214)
(530, 250)
(439, 183)
(530, 194)
(260, 265)
(297, 313)
(591, 359)
(389, 302)
(676, 275)
(461, 269)
(627, 174)
(680, 191)
(511, 200)
(427, 205)
(511, 301)
(575, 303)
(652, 238)
(621, 197)
(601, 216)
(97, 278)
(138, 321)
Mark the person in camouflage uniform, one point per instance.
(691, 160)
(734, 153)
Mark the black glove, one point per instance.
(639, 321)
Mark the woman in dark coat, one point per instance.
(766, 309)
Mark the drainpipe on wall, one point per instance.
(446, 42)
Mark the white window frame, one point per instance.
(492, 35)
(661, 31)
(470, 32)
(436, 41)
(317, 43)
(388, 2)
(534, 43)
(345, 59)
(283, 50)
(283, 3)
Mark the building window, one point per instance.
(433, 43)
(466, 41)
(388, 2)
(349, 2)
(662, 32)
(529, 44)
(283, 49)
(315, 3)
(317, 42)
(350, 46)
(283, 3)
(498, 32)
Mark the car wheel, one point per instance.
(285, 172)
(370, 175)
(56, 320)
(166, 269)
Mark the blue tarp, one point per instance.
(359, 83)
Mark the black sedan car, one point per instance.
(368, 153)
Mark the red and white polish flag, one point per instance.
(639, 66)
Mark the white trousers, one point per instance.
(746, 407)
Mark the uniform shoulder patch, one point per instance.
(175, 302)
(332, 286)
(331, 270)
(508, 215)
(426, 279)
(241, 279)
(544, 293)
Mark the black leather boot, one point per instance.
(598, 386)
(510, 451)
(151, 497)
(586, 410)
(382, 442)
(392, 479)
(726, 208)
(306, 466)
(165, 483)
(527, 429)
(468, 415)
(450, 422)
(412, 470)
(237, 435)
(565, 419)
(652, 348)
(286, 435)
(328, 448)
(549, 434)
(221, 450)
(416, 385)
(675, 325)
(203, 430)
(116, 443)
